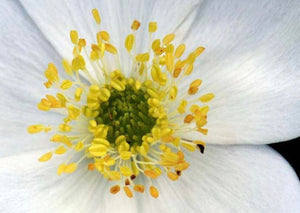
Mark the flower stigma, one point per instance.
(128, 127)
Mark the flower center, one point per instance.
(126, 113)
(129, 128)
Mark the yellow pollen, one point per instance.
(96, 16)
(115, 189)
(152, 27)
(135, 25)
(128, 192)
(124, 121)
(154, 192)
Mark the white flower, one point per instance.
(250, 64)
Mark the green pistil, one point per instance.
(126, 113)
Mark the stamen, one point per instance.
(125, 126)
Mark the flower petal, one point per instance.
(31, 186)
(57, 18)
(24, 55)
(230, 179)
(251, 64)
(224, 179)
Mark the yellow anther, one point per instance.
(35, 128)
(45, 157)
(182, 166)
(154, 192)
(67, 67)
(173, 93)
(157, 75)
(139, 188)
(135, 25)
(104, 94)
(78, 63)
(143, 57)
(104, 35)
(48, 84)
(152, 27)
(70, 168)
(62, 99)
(151, 173)
(203, 131)
(98, 150)
(44, 106)
(61, 169)
(114, 175)
(189, 69)
(200, 123)
(173, 176)
(120, 140)
(182, 106)
(188, 118)
(156, 133)
(79, 146)
(125, 155)
(188, 146)
(60, 150)
(73, 112)
(124, 146)
(194, 86)
(110, 48)
(78, 93)
(115, 189)
(51, 73)
(82, 42)
(66, 84)
(159, 51)
(168, 39)
(94, 55)
(129, 42)
(64, 128)
(137, 85)
(153, 102)
(94, 89)
(117, 74)
(170, 62)
(179, 51)
(62, 139)
(204, 110)
(74, 36)
(101, 141)
(155, 44)
(127, 191)
(170, 48)
(126, 171)
(118, 85)
(96, 16)
(191, 58)
(207, 97)
(198, 51)
(92, 125)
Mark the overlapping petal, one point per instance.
(24, 55)
(225, 179)
(252, 65)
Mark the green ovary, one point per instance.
(126, 113)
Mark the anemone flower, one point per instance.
(135, 91)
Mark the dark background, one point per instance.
(290, 150)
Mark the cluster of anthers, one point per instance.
(126, 128)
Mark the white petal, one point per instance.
(57, 18)
(251, 63)
(24, 56)
(230, 179)
(31, 186)
(224, 179)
